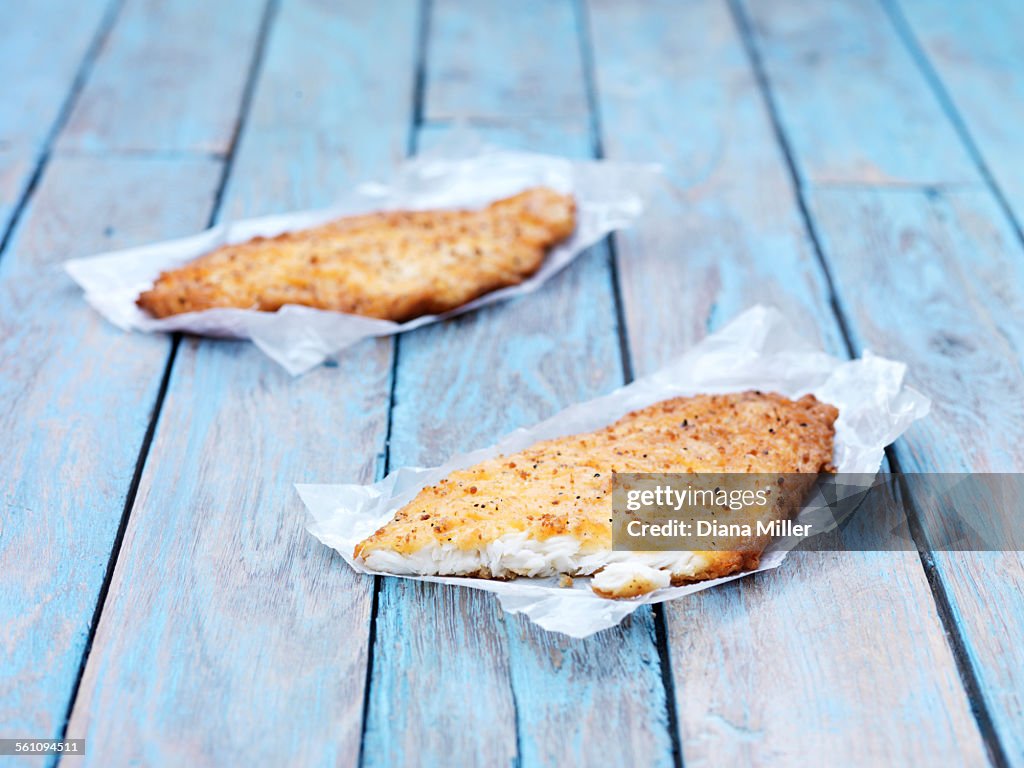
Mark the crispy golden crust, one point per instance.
(395, 266)
(563, 486)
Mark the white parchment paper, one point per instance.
(759, 349)
(609, 196)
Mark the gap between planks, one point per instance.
(660, 646)
(597, 142)
(582, 16)
(418, 122)
(968, 676)
(906, 35)
(965, 669)
(77, 83)
(412, 142)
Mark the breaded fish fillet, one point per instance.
(393, 265)
(547, 510)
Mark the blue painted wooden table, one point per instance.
(858, 163)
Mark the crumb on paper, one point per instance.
(624, 580)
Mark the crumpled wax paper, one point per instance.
(760, 349)
(609, 196)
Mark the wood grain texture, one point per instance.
(230, 634)
(314, 109)
(842, 629)
(501, 62)
(834, 653)
(853, 103)
(440, 693)
(79, 393)
(177, 68)
(83, 389)
(590, 702)
(42, 47)
(504, 367)
(17, 163)
(934, 278)
(675, 87)
(979, 58)
(938, 280)
(454, 680)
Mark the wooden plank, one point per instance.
(178, 68)
(834, 653)
(852, 102)
(17, 163)
(78, 392)
(978, 54)
(82, 393)
(314, 109)
(938, 264)
(491, 689)
(500, 44)
(230, 635)
(530, 688)
(228, 627)
(937, 279)
(42, 47)
(687, 99)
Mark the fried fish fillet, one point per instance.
(392, 265)
(546, 510)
